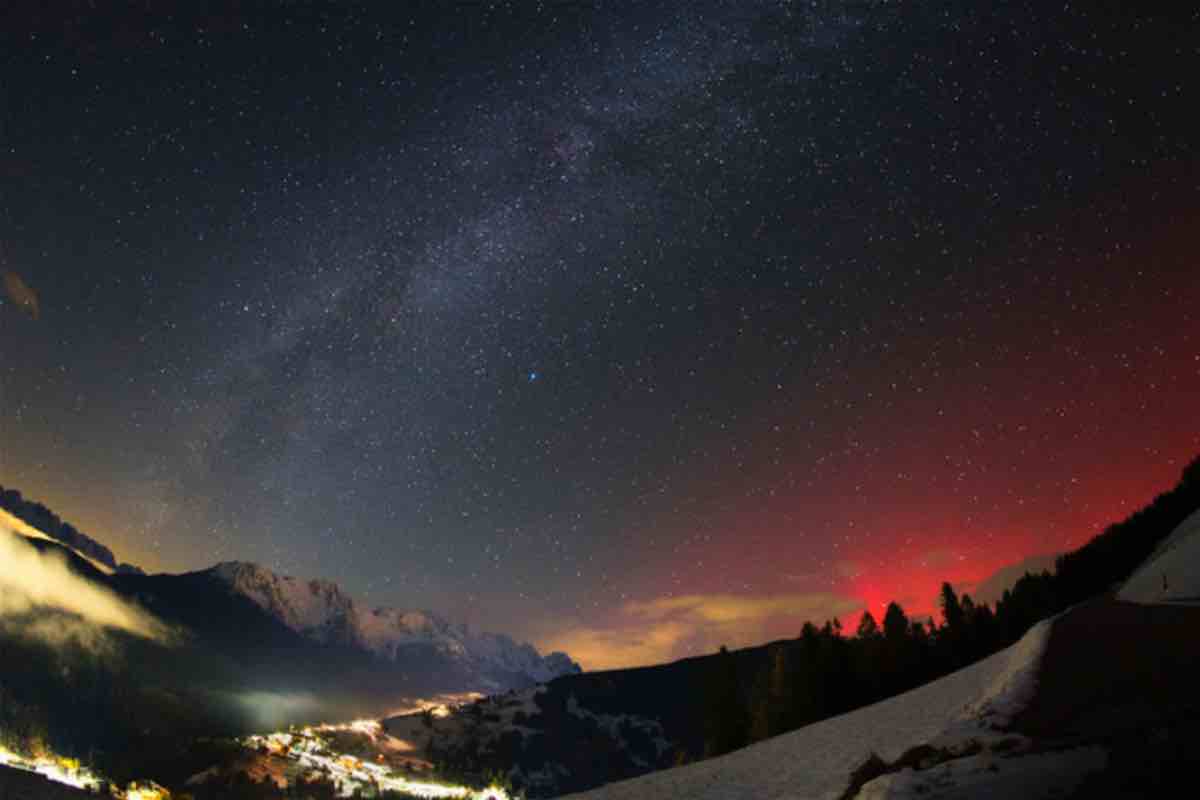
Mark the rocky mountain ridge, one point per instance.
(322, 612)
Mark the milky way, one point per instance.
(631, 330)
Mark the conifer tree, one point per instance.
(868, 628)
(895, 623)
(952, 612)
(726, 721)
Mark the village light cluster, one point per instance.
(305, 746)
(349, 774)
(68, 771)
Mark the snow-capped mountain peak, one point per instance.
(316, 609)
(321, 611)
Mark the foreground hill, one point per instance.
(1122, 677)
(1099, 702)
(960, 715)
(17, 784)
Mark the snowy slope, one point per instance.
(817, 760)
(321, 611)
(1177, 558)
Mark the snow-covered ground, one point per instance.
(957, 711)
(1178, 560)
(987, 777)
(1001, 768)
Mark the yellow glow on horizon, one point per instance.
(18, 525)
(667, 628)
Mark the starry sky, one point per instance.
(632, 329)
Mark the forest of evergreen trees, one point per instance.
(826, 672)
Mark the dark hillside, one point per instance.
(17, 784)
(1122, 676)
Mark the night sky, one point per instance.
(633, 330)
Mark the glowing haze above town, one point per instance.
(631, 332)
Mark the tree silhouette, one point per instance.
(774, 709)
(726, 723)
(952, 611)
(895, 623)
(868, 628)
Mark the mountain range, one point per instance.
(321, 612)
(232, 649)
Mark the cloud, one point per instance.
(669, 628)
(270, 710)
(848, 569)
(20, 294)
(725, 609)
(611, 648)
(33, 583)
(936, 559)
(58, 630)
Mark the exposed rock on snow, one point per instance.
(986, 776)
